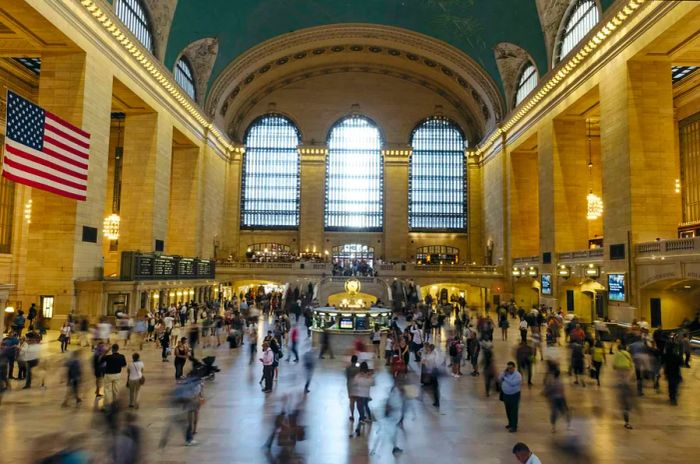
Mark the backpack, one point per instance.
(453, 349)
(622, 360)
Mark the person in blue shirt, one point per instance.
(511, 381)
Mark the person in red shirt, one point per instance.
(294, 341)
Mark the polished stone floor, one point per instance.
(469, 428)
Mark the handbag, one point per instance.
(142, 380)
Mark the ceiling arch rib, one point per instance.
(244, 112)
(510, 60)
(425, 58)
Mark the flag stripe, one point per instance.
(66, 136)
(61, 122)
(64, 155)
(42, 171)
(66, 145)
(36, 157)
(38, 182)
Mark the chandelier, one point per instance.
(594, 209)
(595, 206)
(110, 227)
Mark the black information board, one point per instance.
(152, 266)
(361, 323)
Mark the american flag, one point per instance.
(43, 151)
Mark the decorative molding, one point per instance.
(161, 14)
(551, 13)
(201, 55)
(510, 60)
(348, 38)
(596, 38)
(470, 115)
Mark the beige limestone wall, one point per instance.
(524, 205)
(396, 170)
(312, 202)
(146, 181)
(475, 213)
(185, 208)
(494, 206)
(232, 211)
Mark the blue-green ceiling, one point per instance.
(474, 26)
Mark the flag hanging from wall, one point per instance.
(43, 151)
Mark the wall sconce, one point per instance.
(110, 227)
(517, 272)
(592, 271)
(678, 186)
(28, 211)
(564, 271)
(532, 271)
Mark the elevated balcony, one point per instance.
(588, 255)
(668, 248)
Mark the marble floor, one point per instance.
(468, 428)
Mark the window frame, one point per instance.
(465, 186)
(380, 151)
(138, 17)
(186, 72)
(562, 35)
(244, 175)
(521, 83)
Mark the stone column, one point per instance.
(396, 169)
(77, 88)
(475, 213)
(145, 181)
(312, 199)
(232, 208)
(184, 225)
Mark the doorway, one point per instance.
(655, 309)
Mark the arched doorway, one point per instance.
(351, 253)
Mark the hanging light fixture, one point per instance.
(110, 226)
(594, 202)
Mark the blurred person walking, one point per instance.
(554, 391)
(360, 389)
(74, 375)
(623, 366)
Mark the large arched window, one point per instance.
(133, 14)
(270, 181)
(526, 83)
(185, 77)
(581, 17)
(354, 176)
(436, 189)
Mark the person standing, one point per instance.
(182, 352)
(29, 357)
(685, 343)
(98, 367)
(325, 344)
(64, 337)
(18, 323)
(135, 379)
(10, 350)
(360, 388)
(432, 362)
(74, 374)
(524, 455)
(523, 329)
(294, 341)
(511, 382)
(350, 372)
(113, 365)
(267, 360)
(253, 340)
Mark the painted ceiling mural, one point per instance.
(473, 26)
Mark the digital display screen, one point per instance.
(546, 280)
(346, 322)
(616, 287)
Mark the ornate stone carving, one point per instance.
(361, 38)
(510, 60)
(551, 13)
(161, 13)
(202, 54)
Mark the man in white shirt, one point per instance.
(417, 341)
(524, 455)
(267, 360)
(168, 321)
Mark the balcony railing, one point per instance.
(669, 247)
(582, 255)
(382, 269)
(526, 260)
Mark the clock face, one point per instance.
(352, 286)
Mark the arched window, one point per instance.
(354, 176)
(133, 14)
(184, 76)
(437, 254)
(270, 180)
(436, 181)
(581, 17)
(526, 83)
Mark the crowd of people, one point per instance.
(420, 348)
